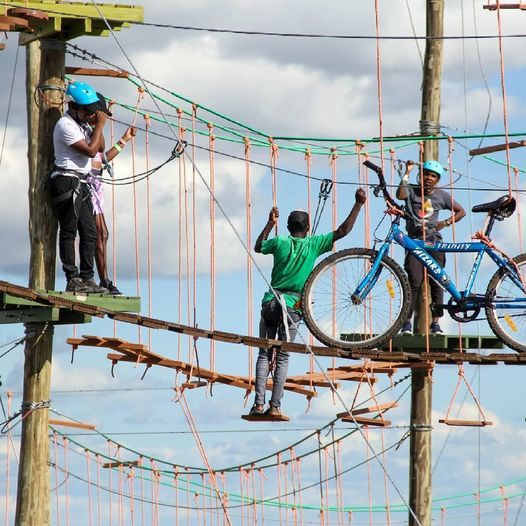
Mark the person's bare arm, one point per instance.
(128, 135)
(349, 221)
(458, 214)
(272, 220)
(91, 147)
(401, 191)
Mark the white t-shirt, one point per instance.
(66, 133)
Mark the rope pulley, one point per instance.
(325, 191)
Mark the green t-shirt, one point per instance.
(294, 259)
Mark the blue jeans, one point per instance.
(270, 328)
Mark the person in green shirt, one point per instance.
(294, 258)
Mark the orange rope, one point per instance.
(425, 283)
(147, 124)
(182, 169)
(110, 485)
(99, 510)
(193, 427)
(273, 162)
(120, 493)
(262, 493)
(156, 476)
(379, 78)
(505, 504)
(142, 491)
(285, 474)
(212, 244)
(369, 481)
(461, 377)
(504, 98)
(8, 461)
(518, 201)
(113, 218)
(66, 480)
(442, 516)
(176, 488)
(131, 484)
(88, 476)
(278, 473)
(451, 148)
(333, 164)
(250, 299)
(327, 493)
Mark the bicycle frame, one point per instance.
(420, 250)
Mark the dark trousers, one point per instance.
(415, 273)
(75, 215)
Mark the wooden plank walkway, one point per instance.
(403, 349)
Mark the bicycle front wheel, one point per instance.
(337, 319)
(506, 305)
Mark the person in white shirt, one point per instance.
(75, 144)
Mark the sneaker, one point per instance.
(93, 287)
(273, 411)
(407, 328)
(257, 409)
(76, 285)
(112, 289)
(435, 328)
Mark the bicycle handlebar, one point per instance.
(382, 187)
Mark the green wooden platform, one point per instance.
(20, 310)
(443, 342)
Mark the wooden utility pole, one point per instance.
(421, 382)
(44, 66)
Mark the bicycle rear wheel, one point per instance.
(506, 306)
(337, 321)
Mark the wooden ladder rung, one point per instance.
(265, 418)
(126, 463)
(467, 423)
(194, 384)
(67, 423)
(380, 422)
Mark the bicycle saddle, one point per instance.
(501, 208)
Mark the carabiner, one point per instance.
(325, 188)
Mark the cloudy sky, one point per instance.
(294, 87)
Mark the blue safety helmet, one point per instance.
(81, 93)
(433, 166)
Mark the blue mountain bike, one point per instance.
(360, 298)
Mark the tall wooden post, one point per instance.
(421, 384)
(44, 69)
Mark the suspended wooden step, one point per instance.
(493, 7)
(96, 72)
(14, 22)
(194, 385)
(356, 413)
(265, 418)
(121, 464)
(496, 148)
(465, 423)
(139, 354)
(35, 19)
(62, 310)
(362, 420)
(2, 46)
(69, 423)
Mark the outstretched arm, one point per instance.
(348, 224)
(121, 143)
(272, 220)
(401, 191)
